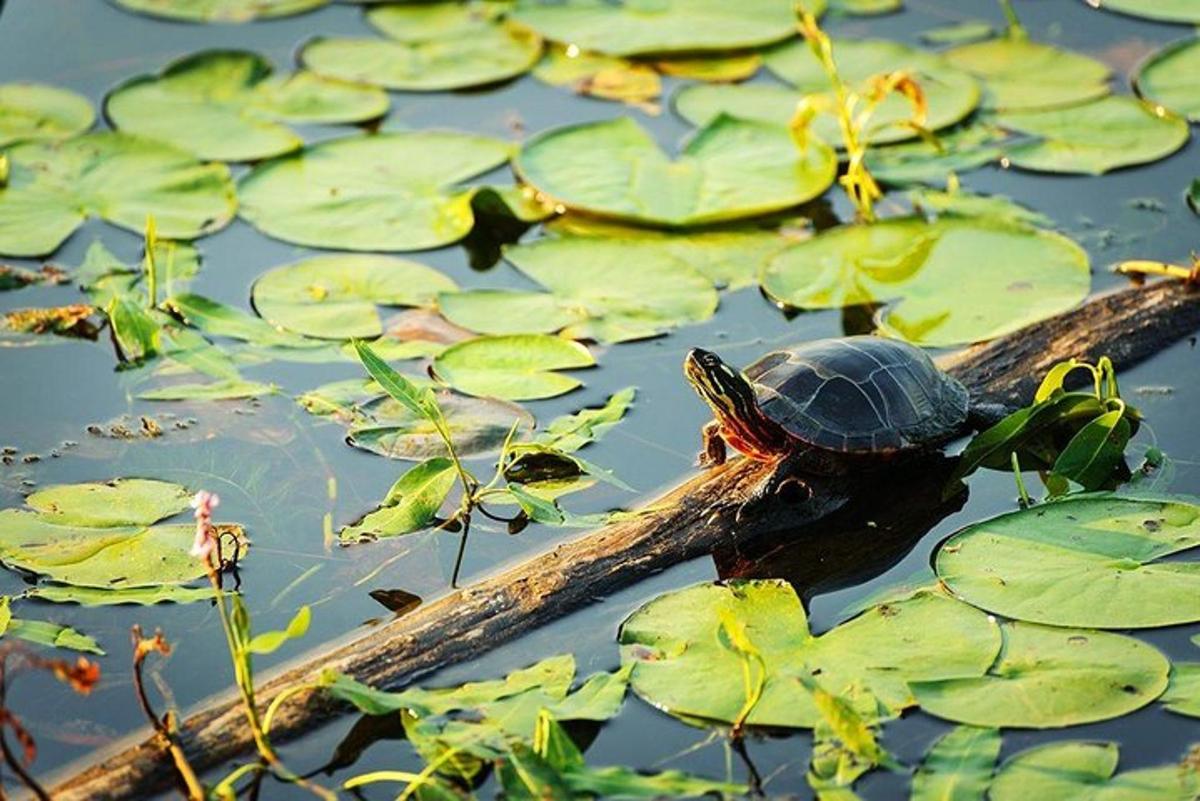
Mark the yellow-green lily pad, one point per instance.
(1020, 74)
(1168, 77)
(517, 367)
(36, 112)
(220, 10)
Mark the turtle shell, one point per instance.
(859, 395)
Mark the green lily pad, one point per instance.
(1021, 75)
(730, 257)
(684, 662)
(648, 27)
(1092, 561)
(391, 191)
(600, 289)
(123, 502)
(728, 170)
(1051, 677)
(220, 10)
(714, 68)
(865, 8)
(935, 274)
(37, 112)
(598, 75)
(958, 767)
(1182, 695)
(335, 297)
(971, 30)
(478, 426)
(518, 367)
(226, 389)
(431, 47)
(141, 596)
(1087, 771)
(1183, 11)
(1095, 137)
(54, 186)
(227, 105)
(959, 150)
(1168, 77)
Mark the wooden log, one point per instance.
(694, 518)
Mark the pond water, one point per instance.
(273, 464)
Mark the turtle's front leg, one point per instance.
(714, 446)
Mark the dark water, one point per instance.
(272, 463)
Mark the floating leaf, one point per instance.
(597, 75)
(1095, 137)
(683, 665)
(962, 203)
(1182, 695)
(54, 186)
(518, 367)
(960, 150)
(1080, 771)
(573, 431)
(865, 8)
(142, 596)
(122, 502)
(730, 169)
(1020, 74)
(958, 767)
(217, 319)
(334, 297)
(1050, 677)
(52, 635)
(1168, 77)
(600, 289)
(227, 105)
(667, 26)
(1183, 11)
(391, 191)
(935, 273)
(36, 112)
(411, 504)
(1094, 561)
(716, 68)
(477, 426)
(959, 32)
(221, 10)
(432, 47)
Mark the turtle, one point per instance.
(830, 405)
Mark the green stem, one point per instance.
(1015, 28)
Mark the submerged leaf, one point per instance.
(730, 169)
(34, 111)
(518, 367)
(666, 26)
(1095, 137)
(227, 389)
(227, 105)
(431, 47)
(390, 191)
(1094, 561)
(932, 273)
(53, 187)
(335, 297)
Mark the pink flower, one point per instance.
(206, 536)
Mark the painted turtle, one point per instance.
(829, 404)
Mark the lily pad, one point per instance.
(54, 186)
(1087, 771)
(638, 27)
(518, 367)
(220, 10)
(958, 767)
(1094, 561)
(226, 389)
(1051, 677)
(598, 75)
(730, 169)
(1096, 137)
(715, 68)
(684, 662)
(960, 150)
(37, 112)
(1183, 693)
(1168, 77)
(141, 596)
(1182, 11)
(865, 8)
(934, 275)
(227, 105)
(391, 191)
(478, 426)
(431, 47)
(600, 289)
(1020, 74)
(335, 297)
(123, 502)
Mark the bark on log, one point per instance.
(698, 515)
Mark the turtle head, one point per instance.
(722, 387)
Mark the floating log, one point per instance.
(691, 520)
